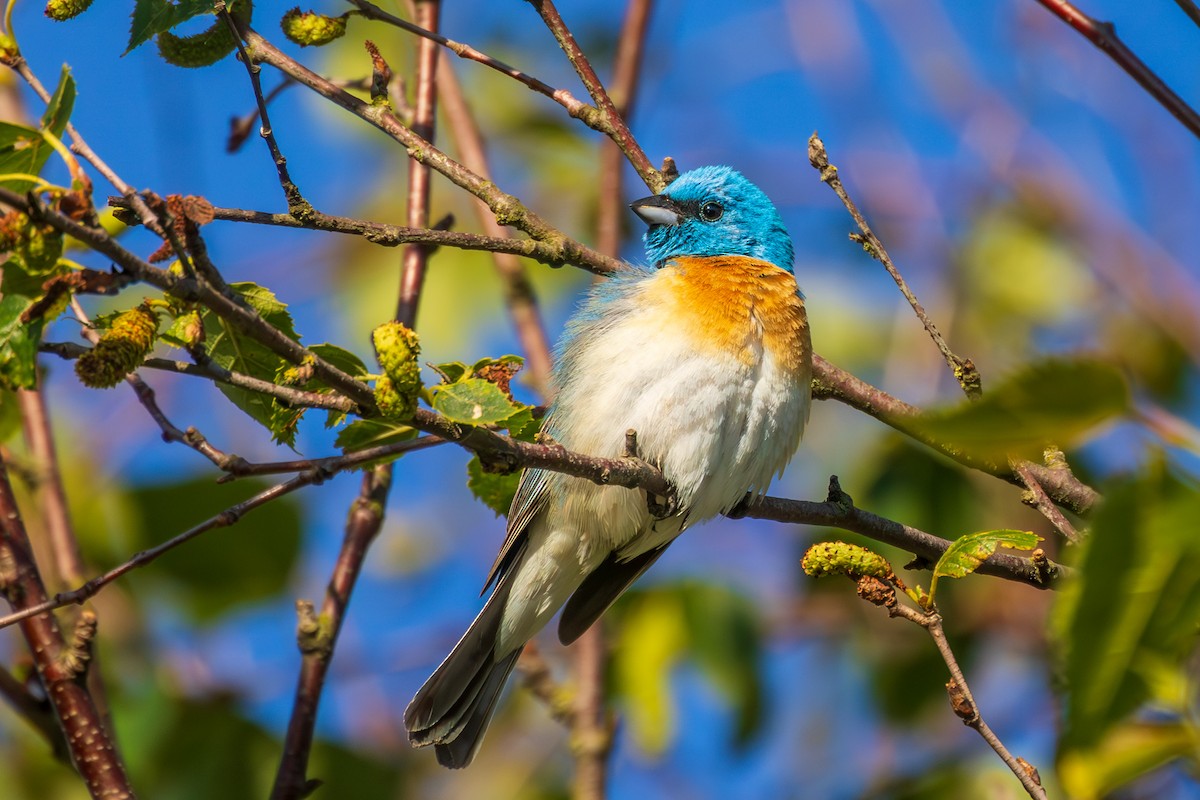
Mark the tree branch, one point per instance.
(616, 127)
(1104, 36)
(507, 209)
(963, 368)
(91, 747)
(963, 703)
(838, 511)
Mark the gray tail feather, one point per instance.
(599, 590)
(453, 708)
(460, 751)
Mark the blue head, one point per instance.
(714, 211)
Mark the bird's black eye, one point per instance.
(711, 211)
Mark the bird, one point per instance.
(704, 352)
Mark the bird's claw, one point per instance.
(741, 508)
(662, 507)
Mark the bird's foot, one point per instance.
(741, 508)
(662, 507)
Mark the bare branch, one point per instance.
(507, 209)
(1037, 498)
(223, 520)
(839, 511)
(963, 368)
(91, 747)
(1104, 36)
(317, 636)
(963, 703)
(616, 127)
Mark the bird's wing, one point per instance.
(527, 502)
(600, 589)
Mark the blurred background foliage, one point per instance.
(1039, 203)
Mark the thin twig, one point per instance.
(1104, 36)
(963, 702)
(81, 147)
(64, 544)
(963, 368)
(617, 129)
(627, 68)
(575, 107)
(386, 235)
(296, 203)
(224, 519)
(507, 208)
(1037, 498)
(415, 258)
(833, 383)
(225, 304)
(317, 636)
(241, 128)
(839, 511)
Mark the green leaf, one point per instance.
(522, 425)
(473, 401)
(966, 553)
(488, 362)
(151, 17)
(18, 344)
(341, 358)
(10, 415)
(494, 489)
(22, 150)
(1124, 754)
(62, 103)
(655, 629)
(1128, 622)
(1055, 401)
(224, 568)
(648, 644)
(344, 360)
(364, 433)
(235, 351)
(451, 371)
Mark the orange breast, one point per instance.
(735, 304)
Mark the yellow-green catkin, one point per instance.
(397, 349)
(842, 558)
(310, 29)
(60, 10)
(198, 50)
(120, 350)
(206, 47)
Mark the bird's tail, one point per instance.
(452, 710)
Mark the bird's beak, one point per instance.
(657, 209)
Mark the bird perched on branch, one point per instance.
(706, 355)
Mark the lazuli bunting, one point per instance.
(706, 355)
